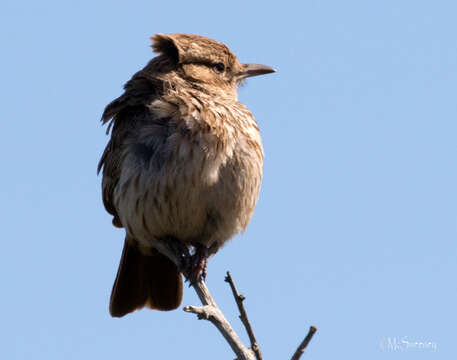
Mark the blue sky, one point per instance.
(355, 229)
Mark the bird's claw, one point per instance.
(197, 265)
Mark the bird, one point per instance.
(182, 167)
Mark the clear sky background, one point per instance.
(355, 229)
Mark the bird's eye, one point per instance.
(219, 67)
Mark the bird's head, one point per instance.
(205, 63)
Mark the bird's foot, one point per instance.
(192, 265)
(180, 251)
(197, 266)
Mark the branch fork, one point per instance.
(210, 311)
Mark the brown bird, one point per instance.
(182, 168)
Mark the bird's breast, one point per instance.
(199, 184)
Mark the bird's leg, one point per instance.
(193, 266)
(180, 250)
(198, 263)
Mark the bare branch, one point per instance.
(244, 317)
(210, 311)
(301, 348)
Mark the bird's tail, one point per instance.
(153, 281)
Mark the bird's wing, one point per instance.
(110, 161)
(123, 115)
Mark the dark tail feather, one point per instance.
(153, 281)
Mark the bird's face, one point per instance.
(219, 76)
(206, 63)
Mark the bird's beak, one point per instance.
(254, 70)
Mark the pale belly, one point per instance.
(195, 201)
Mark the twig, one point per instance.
(301, 348)
(210, 311)
(244, 317)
